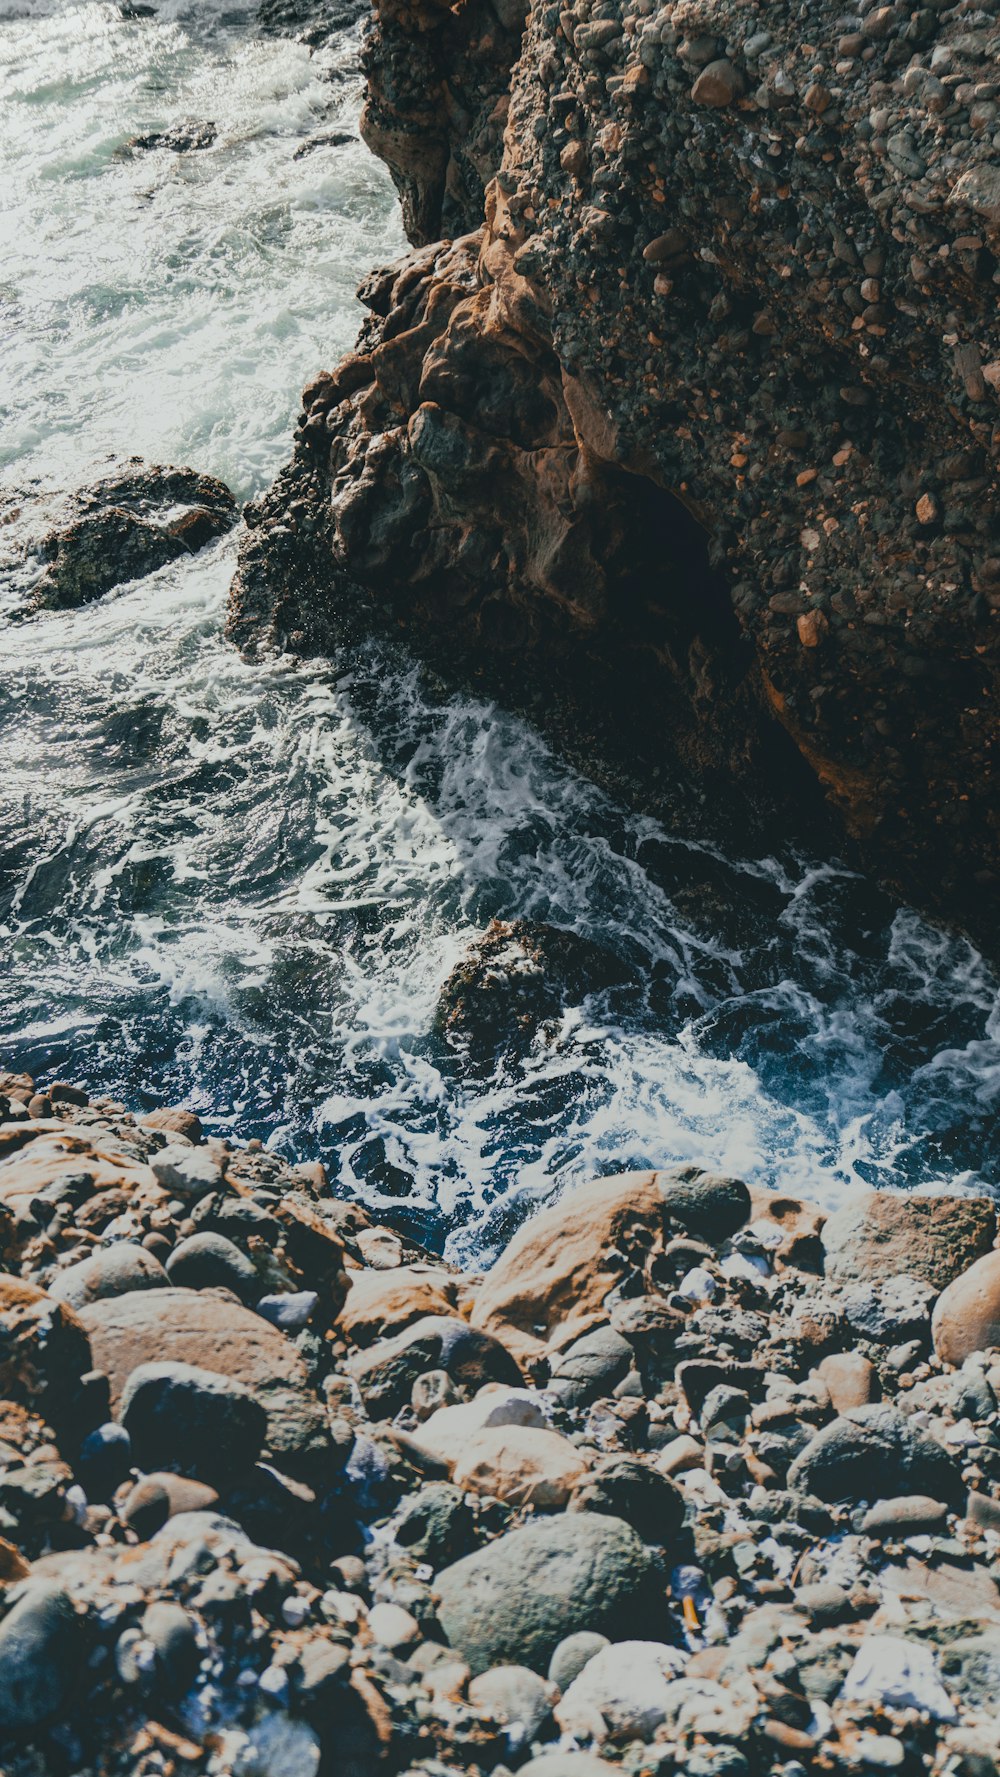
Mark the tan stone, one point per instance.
(211, 1330)
(550, 1283)
(850, 1380)
(888, 1233)
(967, 1314)
(44, 1351)
(799, 1222)
(449, 1431)
(380, 1303)
(680, 1454)
(521, 1464)
(177, 1119)
(33, 1154)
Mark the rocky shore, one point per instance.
(694, 1479)
(680, 426)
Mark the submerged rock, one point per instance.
(514, 980)
(127, 526)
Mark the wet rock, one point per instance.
(515, 979)
(967, 1314)
(882, 1234)
(516, 1599)
(127, 526)
(41, 1644)
(209, 1425)
(111, 1271)
(875, 1453)
(181, 138)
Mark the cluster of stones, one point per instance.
(739, 263)
(694, 1479)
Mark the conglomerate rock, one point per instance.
(696, 431)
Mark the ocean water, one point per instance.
(242, 886)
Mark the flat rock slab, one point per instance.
(207, 1329)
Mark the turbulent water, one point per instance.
(242, 886)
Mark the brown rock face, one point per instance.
(44, 1352)
(212, 1332)
(884, 1234)
(693, 448)
(967, 1315)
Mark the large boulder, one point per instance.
(209, 1426)
(550, 1285)
(380, 1303)
(967, 1314)
(873, 1452)
(516, 1599)
(213, 1332)
(881, 1234)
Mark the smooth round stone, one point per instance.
(967, 1314)
(911, 1515)
(173, 1634)
(517, 1695)
(185, 1171)
(206, 1424)
(849, 1379)
(209, 1262)
(104, 1461)
(392, 1626)
(158, 1497)
(111, 1271)
(572, 1654)
(291, 1312)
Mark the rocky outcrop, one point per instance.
(692, 444)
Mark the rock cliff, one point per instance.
(687, 435)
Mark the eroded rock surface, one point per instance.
(696, 434)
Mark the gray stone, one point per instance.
(572, 1654)
(436, 1524)
(517, 1695)
(708, 1204)
(41, 1643)
(111, 1271)
(912, 1515)
(173, 1634)
(625, 1488)
(516, 1599)
(187, 1172)
(209, 1261)
(875, 1453)
(890, 1310)
(593, 1366)
(209, 1426)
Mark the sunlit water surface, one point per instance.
(242, 886)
